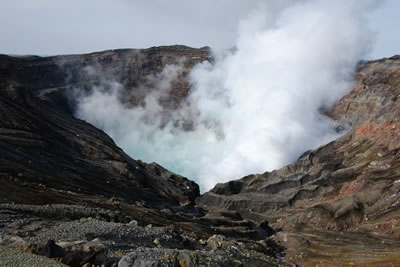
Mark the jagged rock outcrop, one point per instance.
(351, 184)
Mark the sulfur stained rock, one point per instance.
(350, 184)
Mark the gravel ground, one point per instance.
(97, 236)
(61, 212)
(16, 258)
(122, 235)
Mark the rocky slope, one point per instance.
(336, 205)
(45, 146)
(84, 201)
(43, 149)
(348, 186)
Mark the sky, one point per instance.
(48, 27)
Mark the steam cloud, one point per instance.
(254, 109)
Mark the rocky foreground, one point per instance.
(70, 194)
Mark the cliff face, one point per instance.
(351, 184)
(49, 156)
(53, 78)
(338, 204)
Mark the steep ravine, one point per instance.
(65, 180)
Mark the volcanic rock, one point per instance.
(51, 250)
(65, 180)
(349, 185)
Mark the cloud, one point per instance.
(254, 109)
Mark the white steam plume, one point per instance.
(252, 110)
